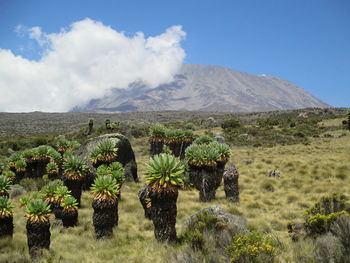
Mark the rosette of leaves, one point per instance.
(188, 135)
(202, 155)
(60, 193)
(10, 175)
(52, 169)
(74, 168)
(6, 217)
(205, 139)
(223, 150)
(105, 188)
(74, 172)
(55, 156)
(164, 173)
(174, 135)
(157, 132)
(42, 153)
(105, 152)
(116, 170)
(20, 165)
(28, 155)
(13, 159)
(64, 145)
(5, 185)
(105, 204)
(49, 192)
(70, 211)
(38, 225)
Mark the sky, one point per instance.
(71, 50)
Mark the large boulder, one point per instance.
(213, 227)
(125, 156)
(235, 223)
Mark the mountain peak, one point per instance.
(209, 88)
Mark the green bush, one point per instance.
(231, 124)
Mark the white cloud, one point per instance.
(83, 63)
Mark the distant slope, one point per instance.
(208, 88)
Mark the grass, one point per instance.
(308, 172)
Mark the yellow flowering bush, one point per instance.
(251, 247)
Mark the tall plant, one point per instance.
(38, 226)
(6, 217)
(105, 204)
(164, 176)
(74, 171)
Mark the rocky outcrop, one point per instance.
(125, 155)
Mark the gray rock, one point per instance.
(125, 153)
(274, 173)
(235, 224)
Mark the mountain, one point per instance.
(208, 88)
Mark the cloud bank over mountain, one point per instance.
(84, 62)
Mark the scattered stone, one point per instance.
(247, 162)
(274, 173)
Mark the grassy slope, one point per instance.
(308, 172)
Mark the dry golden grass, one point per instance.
(307, 173)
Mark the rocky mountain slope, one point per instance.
(208, 88)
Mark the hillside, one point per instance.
(313, 168)
(208, 88)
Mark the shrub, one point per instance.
(251, 247)
(17, 190)
(231, 124)
(320, 224)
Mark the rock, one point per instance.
(219, 137)
(247, 162)
(274, 173)
(233, 222)
(125, 153)
(231, 188)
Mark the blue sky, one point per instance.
(304, 41)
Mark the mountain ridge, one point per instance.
(208, 88)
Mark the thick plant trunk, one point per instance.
(19, 177)
(75, 187)
(38, 237)
(40, 168)
(143, 195)
(6, 226)
(206, 180)
(164, 213)
(57, 211)
(29, 173)
(156, 147)
(69, 217)
(104, 217)
(231, 188)
(4, 194)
